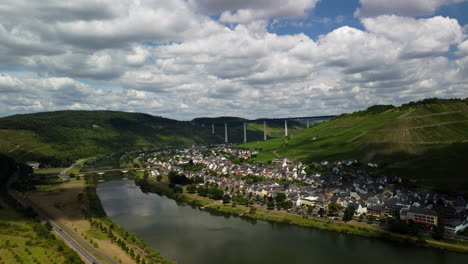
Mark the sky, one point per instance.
(183, 59)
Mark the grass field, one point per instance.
(428, 143)
(25, 241)
(49, 171)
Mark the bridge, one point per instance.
(264, 120)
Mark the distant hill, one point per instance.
(58, 138)
(426, 141)
(275, 128)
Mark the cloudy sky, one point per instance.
(251, 58)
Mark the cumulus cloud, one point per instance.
(372, 8)
(170, 58)
(246, 11)
(418, 37)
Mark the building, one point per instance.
(33, 164)
(419, 215)
(455, 225)
(376, 211)
(309, 200)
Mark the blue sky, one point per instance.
(250, 58)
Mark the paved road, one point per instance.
(56, 228)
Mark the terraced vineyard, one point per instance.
(426, 142)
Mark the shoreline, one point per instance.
(351, 228)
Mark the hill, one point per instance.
(275, 128)
(425, 141)
(61, 137)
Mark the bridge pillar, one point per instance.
(264, 130)
(245, 133)
(307, 123)
(285, 127)
(212, 128)
(225, 133)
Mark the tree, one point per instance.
(80, 197)
(191, 188)
(202, 191)
(72, 175)
(310, 209)
(216, 193)
(279, 199)
(439, 229)
(226, 199)
(333, 209)
(252, 210)
(178, 189)
(177, 179)
(270, 204)
(48, 225)
(159, 178)
(349, 213)
(321, 211)
(287, 204)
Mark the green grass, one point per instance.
(20, 242)
(428, 143)
(49, 171)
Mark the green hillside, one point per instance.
(275, 128)
(59, 138)
(426, 141)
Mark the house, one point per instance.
(454, 225)
(360, 208)
(310, 200)
(33, 164)
(376, 210)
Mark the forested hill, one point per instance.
(61, 137)
(426, 141)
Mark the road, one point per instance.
(71, 166)
(56, 228)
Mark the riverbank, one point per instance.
(76, 207)
(261, 213)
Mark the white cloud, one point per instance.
(462, 49)
(417, 37)
(371, 8)
(164, 58)
(246, 11)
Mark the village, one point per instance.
(325, 189)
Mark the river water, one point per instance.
(192, 236)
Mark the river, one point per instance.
(192, 236)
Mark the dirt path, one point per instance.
(276, 154)
(344, 131)
(412, 142)
(71, 166)
(406, 114)
(356, 137)
(435, 114)
(33, 150)
(13, 149)
(433, 125)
